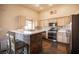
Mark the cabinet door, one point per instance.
(59, 37)
(41, 23)
(21, 21)
(60, 21)
(44, 23)
(63, 21)
(64, 38)
(36, 43)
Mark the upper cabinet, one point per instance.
(21, 21)
(44, 23)
(62, 21)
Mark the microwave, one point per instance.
(53, 24)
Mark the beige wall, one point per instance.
(62, 10)
(9, 15)
(0, 19)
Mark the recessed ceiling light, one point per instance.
(37, 5)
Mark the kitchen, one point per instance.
(33, 23)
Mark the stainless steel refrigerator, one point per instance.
(74, 45)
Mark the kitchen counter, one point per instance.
(30, 32)
(32, 37)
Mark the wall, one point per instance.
(0, 18)
(61, 10)
(9, 15)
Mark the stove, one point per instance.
(52, 33)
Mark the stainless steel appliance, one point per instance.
(74, 45)
(52, 33)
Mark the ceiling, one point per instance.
(38, 7)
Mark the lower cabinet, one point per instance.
(36, 43)
(62, 37)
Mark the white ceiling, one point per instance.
(38, 7)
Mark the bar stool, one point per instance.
(16, 45)
(3, 50)
(3, 45)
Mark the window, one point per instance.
(29, 25)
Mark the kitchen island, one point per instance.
(32, 37)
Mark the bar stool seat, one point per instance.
(20, 44)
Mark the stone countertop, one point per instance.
(30, 32)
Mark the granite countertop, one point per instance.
(29, 32)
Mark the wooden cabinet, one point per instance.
(44, 23)
(21, 21)
(36, 43)
(41, 23)
(63, 21)
(61, 37)
(60, 22)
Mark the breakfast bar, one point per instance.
(32, 37)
